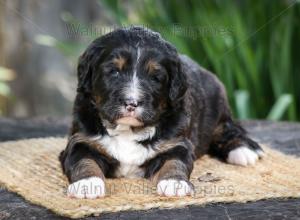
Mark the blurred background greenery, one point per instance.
(253, 46)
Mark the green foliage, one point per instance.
(6, 75)
(253, 46)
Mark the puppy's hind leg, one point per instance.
(231, 144)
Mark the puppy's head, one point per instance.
(133, 75)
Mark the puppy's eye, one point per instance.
(114, 73)
(158, 77)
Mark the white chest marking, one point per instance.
(122, 145)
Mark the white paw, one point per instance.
(89, 188)
(244, 156)
(172, 187)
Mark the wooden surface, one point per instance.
(282, 136)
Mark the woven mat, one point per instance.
(31, 169)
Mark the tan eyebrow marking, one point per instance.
(120, 62)
(152, 66)
(97, 99)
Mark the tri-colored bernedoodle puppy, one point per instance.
(143, 110)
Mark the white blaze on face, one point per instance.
(133, 90)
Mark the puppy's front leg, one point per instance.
(82, 163)
(173, 179)
(87, 180)
(170, 170)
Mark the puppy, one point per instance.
(143, 110)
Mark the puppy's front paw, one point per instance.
(244, 156)
(173, 187)
(89, 188)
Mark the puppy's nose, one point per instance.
(130, 104)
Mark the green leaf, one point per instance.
(6, 74)
(242, 104)
(280, 107)
(4, 89)
(45, 40)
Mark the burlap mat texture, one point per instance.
(31, 169)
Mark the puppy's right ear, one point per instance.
(87, 64)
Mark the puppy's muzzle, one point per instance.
(130, 105)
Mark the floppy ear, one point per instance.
(87, 64)
(177, 82)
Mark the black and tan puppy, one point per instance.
(143, 110)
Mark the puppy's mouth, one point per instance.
(129, 120)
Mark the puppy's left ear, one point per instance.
(177, 82)
(87, 64)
